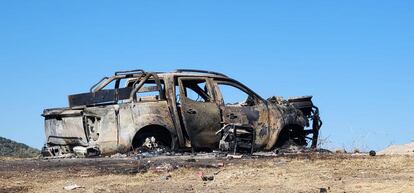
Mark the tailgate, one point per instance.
(65, 127)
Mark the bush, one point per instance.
(10, 148)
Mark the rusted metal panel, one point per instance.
(171, 92)
(64, 130)
(202, 121)
(200, 118)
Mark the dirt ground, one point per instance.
(294, 173)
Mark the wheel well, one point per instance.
(292, 133)
(161, 134)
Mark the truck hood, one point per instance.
(302, 103)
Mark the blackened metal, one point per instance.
(106, 96)
(316, 125)
(237, 138)
(200, 71)
(303, 103)
(140, 84)
(126, 72)
(99, 82)
(59, 140)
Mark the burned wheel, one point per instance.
(152, 137)
(292, 135)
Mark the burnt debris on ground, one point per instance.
(133, 165)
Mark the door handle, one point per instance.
(191, 111)
(232, 116)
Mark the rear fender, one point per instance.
(127, 134)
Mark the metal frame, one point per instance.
(118, 75)
(98, 95)
(207, 82)
(142, 82)
(200, 71)
(126, 72)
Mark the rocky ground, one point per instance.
(309, 172)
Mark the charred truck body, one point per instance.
(183, 110)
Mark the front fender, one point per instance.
(281, 116)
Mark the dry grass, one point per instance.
(301, 174)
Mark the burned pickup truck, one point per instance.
(183, 110)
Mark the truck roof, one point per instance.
(180, 72)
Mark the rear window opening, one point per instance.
(122, 90)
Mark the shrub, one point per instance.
(10, 148)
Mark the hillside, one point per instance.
(403, 149)
(10, 148)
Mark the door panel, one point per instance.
(201, 117)
(240, 115)
(240, 106)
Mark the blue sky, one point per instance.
(355, 57)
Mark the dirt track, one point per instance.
(302, 173)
